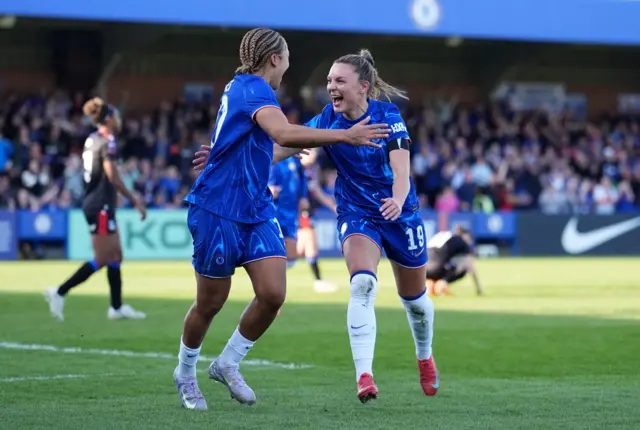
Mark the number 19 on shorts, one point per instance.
(412, 235)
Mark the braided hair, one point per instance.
(257, 46)
(364, 66)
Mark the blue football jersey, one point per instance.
(234, 184)
(364, 173)
(289, 176)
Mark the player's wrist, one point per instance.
(399, 201)
(345, 136)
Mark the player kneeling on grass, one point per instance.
(450, 259)
(102, 183)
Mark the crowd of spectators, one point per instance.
(482, 158)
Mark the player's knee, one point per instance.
(273, 298)
(211, 295)
(116, 258)
(364, 285)
(100, 261)
(208, 307)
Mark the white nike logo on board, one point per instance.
(575, 242)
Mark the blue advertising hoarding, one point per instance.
(165, 235)
(584, 21)
(8, 236)
(43, 225)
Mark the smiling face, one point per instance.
(348, 93)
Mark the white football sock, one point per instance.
(361, 321)
(187, 359)
(236, 349)
(420, 315)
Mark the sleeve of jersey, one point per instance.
(396, 124)
(314, 122)
(262, 97)
(111, 150)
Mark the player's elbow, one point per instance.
(279, 135)
(400, 176)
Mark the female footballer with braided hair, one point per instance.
(231, 214)
(377, 209)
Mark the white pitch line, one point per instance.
(53, 377)
(136, 354)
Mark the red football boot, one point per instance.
(367, 389)
(429, 376)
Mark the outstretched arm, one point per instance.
(273, 121)
(279, 153)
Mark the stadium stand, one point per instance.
(481, 157)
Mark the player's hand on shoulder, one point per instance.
(200, 158)
(391, 209)
(363, 133)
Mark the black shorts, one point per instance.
(101, 222)
(438, 269)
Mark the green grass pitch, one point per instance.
(554, 344)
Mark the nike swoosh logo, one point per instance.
(437, 384)
(187, 403)
(575, 242)
(356, 328)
